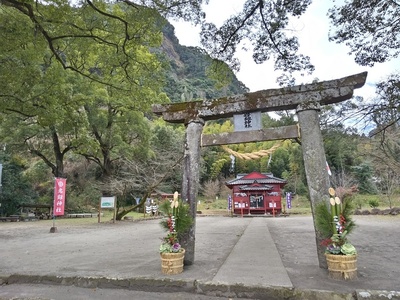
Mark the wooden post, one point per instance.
(273, 208)
(191, 177)
(99, 216)
(314, 164)
(115, 210)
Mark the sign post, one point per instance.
(107, 202)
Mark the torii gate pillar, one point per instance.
(314, 163)
(191, 178)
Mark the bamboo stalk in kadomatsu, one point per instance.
(333, 209)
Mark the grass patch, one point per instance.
(363, 201)
(106, 217)
(300, 205)
(220, 204)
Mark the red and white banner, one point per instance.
(59, 196)
(328, 169)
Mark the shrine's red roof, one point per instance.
(255, 178)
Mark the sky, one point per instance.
(331, 60)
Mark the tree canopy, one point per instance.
(264, 25)
(106, 42)
(370, 28)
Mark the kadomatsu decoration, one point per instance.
(334, 221)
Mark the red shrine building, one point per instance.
(256, 193)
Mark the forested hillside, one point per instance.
(190, 75)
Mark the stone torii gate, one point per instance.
(305, 99)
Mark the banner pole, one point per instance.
(54, 228)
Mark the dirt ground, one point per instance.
(111, 250)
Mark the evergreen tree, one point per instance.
(15, 188)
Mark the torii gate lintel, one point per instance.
(324, 93)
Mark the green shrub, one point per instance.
(358, 203)
(373, 203)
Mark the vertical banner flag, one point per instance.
(289, 200)
(59, 196)
(229, 202)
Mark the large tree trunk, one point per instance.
(126, 211)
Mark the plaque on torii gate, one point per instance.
(305, 99)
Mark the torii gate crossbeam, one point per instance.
(325, 92)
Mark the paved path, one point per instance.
(250, 257)
(254, 253)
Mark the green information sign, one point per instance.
(107, 202)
